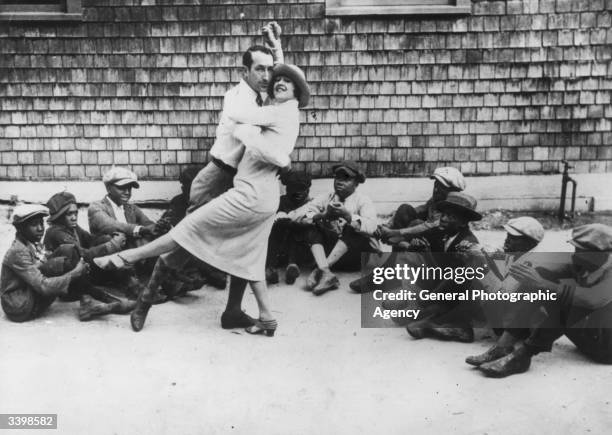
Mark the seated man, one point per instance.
(582, 310)
(342, 224)
(178, 205)
(523, 234)
(450, 320)
(115, 214)
(288, 239)
(402, 226)
(30, 282)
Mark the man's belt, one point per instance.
(224, 166)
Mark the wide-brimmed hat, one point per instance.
(461, 203)
(525, 226)
(297, 77)
(120, 177)
(25, 212)
(449, 177)
(592, 237)
(351, 168)
(59, 203)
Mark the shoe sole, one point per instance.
(291, 274)
(319, 292)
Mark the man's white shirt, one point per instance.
(227, 148)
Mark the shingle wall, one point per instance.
(515, 87)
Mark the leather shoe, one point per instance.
(313, 278)
(123, 306)
(236, 319)
(362, 285)
(514, 363)
(494, 352)
(328, 282)
(139, 315)
(271, 275)
(463, 334)
(291, 273)
(416, 332)
(90, 308)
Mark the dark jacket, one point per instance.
(21, 274)
(175, 213)
(57, 235)
(102, 218)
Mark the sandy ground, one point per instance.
(321, 373)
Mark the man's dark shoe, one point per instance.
(314, 278)
(328, 282)
(123, 306)
(139, 315)
(516, 362)
(452, 333)
(236, 319)
(272, 275)
(291, 273)
(133, 288)
(91, 308)
(416, 332)
(423, 329)
(492, 354)
(362, 285)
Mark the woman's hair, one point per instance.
(297, 92)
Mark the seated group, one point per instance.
(330, 232)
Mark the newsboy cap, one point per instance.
(25, 212)
(59, 203)
(120, 177)
(449, 177)
(592, 237)
(351, 168)
(525, 226)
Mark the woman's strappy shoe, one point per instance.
(267, 327)
(112, 262)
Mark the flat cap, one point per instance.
(351, 168)
(120, 177)
(24, 212)
(525, 226)
(449, 177)
(592, 237)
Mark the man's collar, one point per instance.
(27, 243)
(246, 85)
(113, 202)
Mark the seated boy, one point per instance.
(30, 282)
(288, 239)
(403, 227)
(64, 232)
(342, 223)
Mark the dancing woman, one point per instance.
(231, 231)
